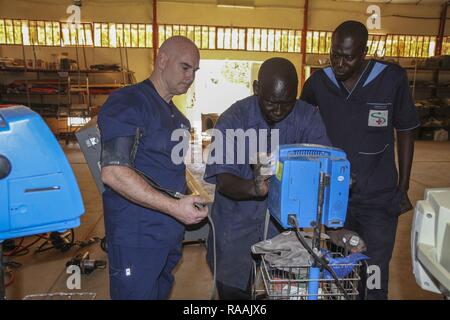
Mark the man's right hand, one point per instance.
(261, 185)
(191, 210)
(262, 173)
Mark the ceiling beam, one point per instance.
(303, 44)
(155, 30)
(440, 37)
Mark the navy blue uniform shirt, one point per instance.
(361, 122)
(140, 106)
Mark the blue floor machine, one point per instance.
(38, 190)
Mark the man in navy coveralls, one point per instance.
(240, 201)
(144, 227)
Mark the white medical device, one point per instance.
(430, 241)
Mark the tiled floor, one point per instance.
(46, 272)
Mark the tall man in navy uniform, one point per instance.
(362, 103)
(240, 201)
(144, 227)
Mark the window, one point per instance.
(445, 45)
(73, 35)
(126, 35)
(318, 42)
(9, 30)
(18, 31)
(212, 38)
(2, 32)
(402, 46)
(134, 36)
(148, 36)
(41, 33)
(410, 46)
(77, 121)
(376, 45)
(203, 36)
(140, 35)
(273, 40)
(114, 35)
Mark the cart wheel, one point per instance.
(256, 282)
(104, 245)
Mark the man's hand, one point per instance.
(405, 153)
(405, 203)
(191, 210)
(262, 172)
(347, 239)
(261, 186)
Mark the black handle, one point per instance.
(5, 167)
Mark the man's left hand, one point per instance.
(405, 203)
(347, 239)
(261, 173)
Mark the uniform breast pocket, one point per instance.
(379, 116)
(375, 139)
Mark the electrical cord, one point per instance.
(59, 241)
(10, 280)
(104, 245)
(16, 247)
(171, 193)
(213, 230)
(85, 264)
(9, 266)
(13, 264)
(178, 195)
(18, 251)
(23, 250)
(323, 262)
(88, 242)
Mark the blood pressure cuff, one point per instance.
(120, 151)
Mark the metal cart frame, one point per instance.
(291, 282)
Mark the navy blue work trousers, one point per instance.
(142, 273)
(377, 227)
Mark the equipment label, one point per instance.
(279, 171)
(378, 118)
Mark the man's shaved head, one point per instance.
(277, 70)
(176, 63)
(348, 50)
(276, 89)
(353, 29)
(178, 44)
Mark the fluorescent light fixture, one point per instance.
(235, 6)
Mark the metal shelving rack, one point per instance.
(435, 90)
(71, 84)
